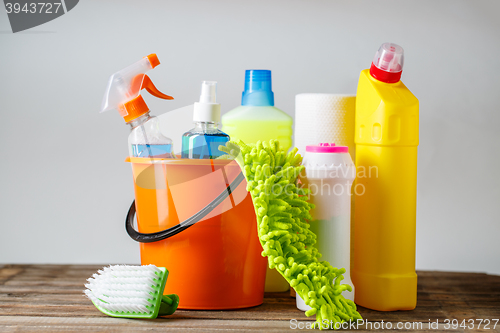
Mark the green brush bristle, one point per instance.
(282, 219)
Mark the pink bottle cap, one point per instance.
(327, 148)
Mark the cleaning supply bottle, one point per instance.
(123, 93)
(204, 139)
(386, 137)
(329, 173)
(257, 118)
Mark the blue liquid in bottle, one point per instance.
(156, 151)
(146, 129)
(203, 142)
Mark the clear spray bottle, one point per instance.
(203, 141)
(123, 93)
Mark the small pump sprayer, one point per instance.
(204, 139)
(207, 109)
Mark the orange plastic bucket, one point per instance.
(217, 262)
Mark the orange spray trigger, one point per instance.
(150, 87)
(142, 81)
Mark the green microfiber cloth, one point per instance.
(282, 213)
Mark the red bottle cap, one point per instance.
(387, 65)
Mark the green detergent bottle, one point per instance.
(257, 118)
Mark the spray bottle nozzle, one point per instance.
(208, 92)
(207, 109)
(124, 89)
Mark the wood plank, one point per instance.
(48, 298)
(108, 324)
(8, 273)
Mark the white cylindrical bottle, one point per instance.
(329, 173)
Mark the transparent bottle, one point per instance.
(203, 141)
(146, 140)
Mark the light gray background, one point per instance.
(65, 187)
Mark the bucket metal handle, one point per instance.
(164, 234)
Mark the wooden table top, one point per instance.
(48, 298)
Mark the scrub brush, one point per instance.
(131, 292)
(282, 212)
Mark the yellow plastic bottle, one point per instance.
(257, 119)
(386, 138)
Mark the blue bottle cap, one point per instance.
(258, 88)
